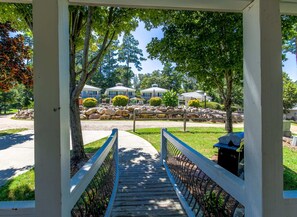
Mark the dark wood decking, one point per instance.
(144, 187)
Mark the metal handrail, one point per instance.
(196, 166)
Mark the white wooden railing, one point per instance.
(195, 168)
(78, 183)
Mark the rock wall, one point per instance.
(146, 112)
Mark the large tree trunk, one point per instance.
(228, 109)
(228, 102)
(76, 133)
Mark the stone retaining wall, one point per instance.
(146, 112)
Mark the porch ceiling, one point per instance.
(286, 6)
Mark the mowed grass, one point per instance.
(290, 168)
(10, 111)
(11, 131)
(203, 139)
(22, 187)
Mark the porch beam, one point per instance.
(263, 109)
(286, 6)
(289, 7)
(51, 120)
(212, 5)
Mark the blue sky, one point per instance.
(290, 67)
(144, 37)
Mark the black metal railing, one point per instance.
(203, 195)
(96, 197)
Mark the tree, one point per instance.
(289, 93)
(206, 45)
(7, 98)
(289, 34)
(147, 80)
(106, 76)
(91, 28)
(170, 98)
(92, 31)
(130, 53)
(173, 78)
(169, 78)
(13, 56)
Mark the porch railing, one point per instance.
(203, 187)
(94, 186)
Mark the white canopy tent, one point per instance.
(199, 94)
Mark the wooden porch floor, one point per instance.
(144, 187)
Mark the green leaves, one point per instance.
(13, 56)
(170, 98)
(289, 93)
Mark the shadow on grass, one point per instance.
(290, 179)
(6, 174)
(19, 188)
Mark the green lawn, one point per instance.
(11, 131)
(22, 187)
(10, 111)
(203, 139)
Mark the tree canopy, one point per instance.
(14, 55)
(289, 93)
(207, 46)
(168, 78)
(129, 53)
(92, 31)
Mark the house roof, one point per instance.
(154, 89)
(92, 88)
(120, 88)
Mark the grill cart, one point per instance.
(231, 152)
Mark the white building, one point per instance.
(154, 91)
(90, 91)
(119, 89)
(292, 114)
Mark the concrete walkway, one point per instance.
(17, 152)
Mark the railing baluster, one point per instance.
(203, 195)
(97, 196)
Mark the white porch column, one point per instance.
(51, 91)
(263, 109)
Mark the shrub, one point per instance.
(194, 103)
(214, 105)
(170, 98)
(120, 100)
(234, 108)
(107, 100)
(90, 102)
(155, 101)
